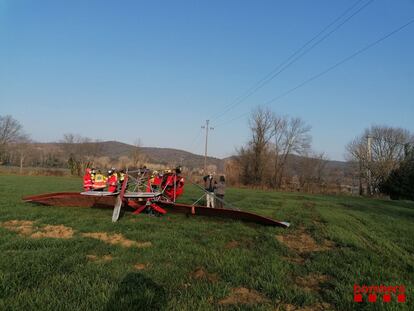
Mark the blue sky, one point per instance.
(155, 70)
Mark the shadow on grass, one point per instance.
(137, 292)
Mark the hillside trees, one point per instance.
(137, 157)
(80, 152)
(311, 170)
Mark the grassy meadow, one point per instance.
(176, 262)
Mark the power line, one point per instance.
(329, 69)
(195, 139)
(293, 58)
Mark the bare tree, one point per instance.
(357, 157)
(124, 162)
(10, 132)
(290, 136)
(387, 151)
(102, 162)
(261, 126)
(23, 148)
(232, 171)
(274, 138)
(244, 163)
(137, 157)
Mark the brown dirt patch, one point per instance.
(202, 274)
(107, 258)
(27, 228)
(302, 242)
(57, 232)
(245, 296)
(23, 227)
(95, 258)
(311, 282)
(231, 244)
(116, 239)
(140, 266)
(92, 257)
(315, 307)
(328, 244)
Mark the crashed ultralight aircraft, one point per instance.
(144, 192)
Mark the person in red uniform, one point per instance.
(112, 181)
(87, 180)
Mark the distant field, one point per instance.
(76, 259)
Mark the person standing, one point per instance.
(99, 183)
(220, 190)
(112, 180)
(93, 174)
(121, 178)
(87, 180)
(209, 186)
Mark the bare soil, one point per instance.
(95, 258)
(311, 282)
(57, 232)
(201, 273)
(27, 228)
(116, 239)
(23, 227)
(302, 242)
(140, 266)
(245, 296)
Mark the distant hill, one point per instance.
(169, 156)
(166, 156)
(114, 149)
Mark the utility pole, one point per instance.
(369, 160)
(205, 148)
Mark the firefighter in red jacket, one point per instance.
(87, 180)
(112, 181)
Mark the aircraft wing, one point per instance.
(100, 193)
(144, 195)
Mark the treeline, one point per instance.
(278, 155)
(72, 151)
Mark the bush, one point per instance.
(400, 183)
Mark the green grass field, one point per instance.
(199, 263)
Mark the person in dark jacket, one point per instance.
(209, 185)
(219, 191)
